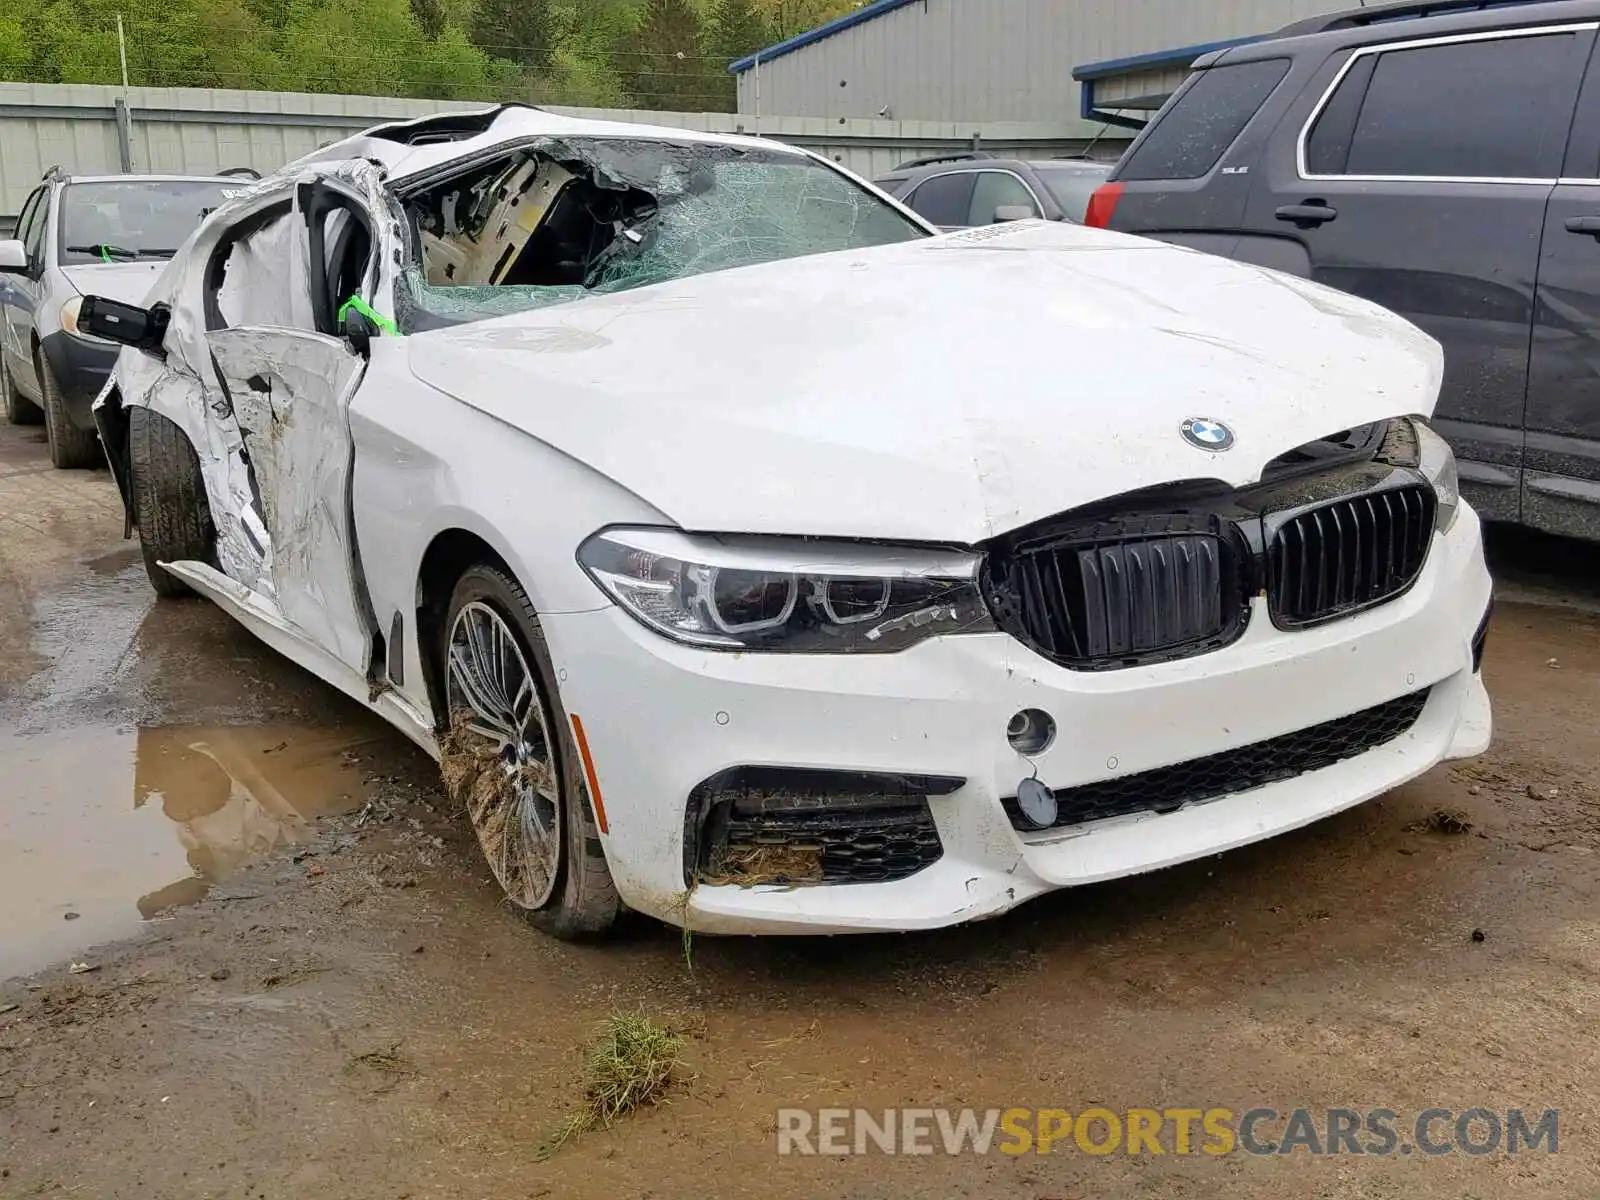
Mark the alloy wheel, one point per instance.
(499, 717)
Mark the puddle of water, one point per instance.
(119, 827)
(113, 563)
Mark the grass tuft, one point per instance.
(680, 909)
(630, 1066)
(756, 866)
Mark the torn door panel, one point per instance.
(243, 548)
(290, 393)
(265, 278)
(183, 388)
(261, 281)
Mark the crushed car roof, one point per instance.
(407, 148)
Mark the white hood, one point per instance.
(129, 282)
(943, 390)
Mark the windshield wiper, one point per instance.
(106, 252)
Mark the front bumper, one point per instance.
(81, 368)
(660, 718)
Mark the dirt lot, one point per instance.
(279, 1002)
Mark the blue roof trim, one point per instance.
(838, 25)
(1180, 57)
(1089, 109)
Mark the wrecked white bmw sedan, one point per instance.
(754, 557)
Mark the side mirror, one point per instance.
(13, 256)
(359, 331)
(1007, 213)
(142, 328)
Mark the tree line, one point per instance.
(656, 54)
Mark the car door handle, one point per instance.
(1308, 215)
(1588, 225)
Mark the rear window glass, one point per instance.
(1072, 187)
(995, 190)
(944, 199)
(1470, 110)
(1203, 120)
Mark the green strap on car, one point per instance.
(370, 313)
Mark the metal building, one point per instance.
(1002, 60)
(87, 129)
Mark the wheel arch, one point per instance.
(582, 901)
(448, 557)
(111, 419)
(35, 354)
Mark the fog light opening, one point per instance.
(1031, 732)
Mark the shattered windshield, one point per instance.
(123, 222)
(565, 218)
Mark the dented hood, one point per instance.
(947, 389)
(129, 282)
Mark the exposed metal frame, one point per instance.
(1304, 138)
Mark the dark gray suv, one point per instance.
(1443, 160)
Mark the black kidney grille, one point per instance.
(1133, 599)
(1348, 555)
(1167, 789)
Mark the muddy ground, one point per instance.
(273, 1002)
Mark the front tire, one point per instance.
(71, 448)
(509, 759)
(19, 409)
(170, 508)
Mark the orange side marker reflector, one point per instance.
(588, 770)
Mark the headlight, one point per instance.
(786, 595)
(69, 320)
(1437, 462)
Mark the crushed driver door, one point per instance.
(290, 391)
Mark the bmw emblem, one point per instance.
(1206, 434)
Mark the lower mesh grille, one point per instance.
(763, 825)
(874, 846)
(1167, 789)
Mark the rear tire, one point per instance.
(19, 409)
(71, 448)
(510, 760)
(170, 508)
